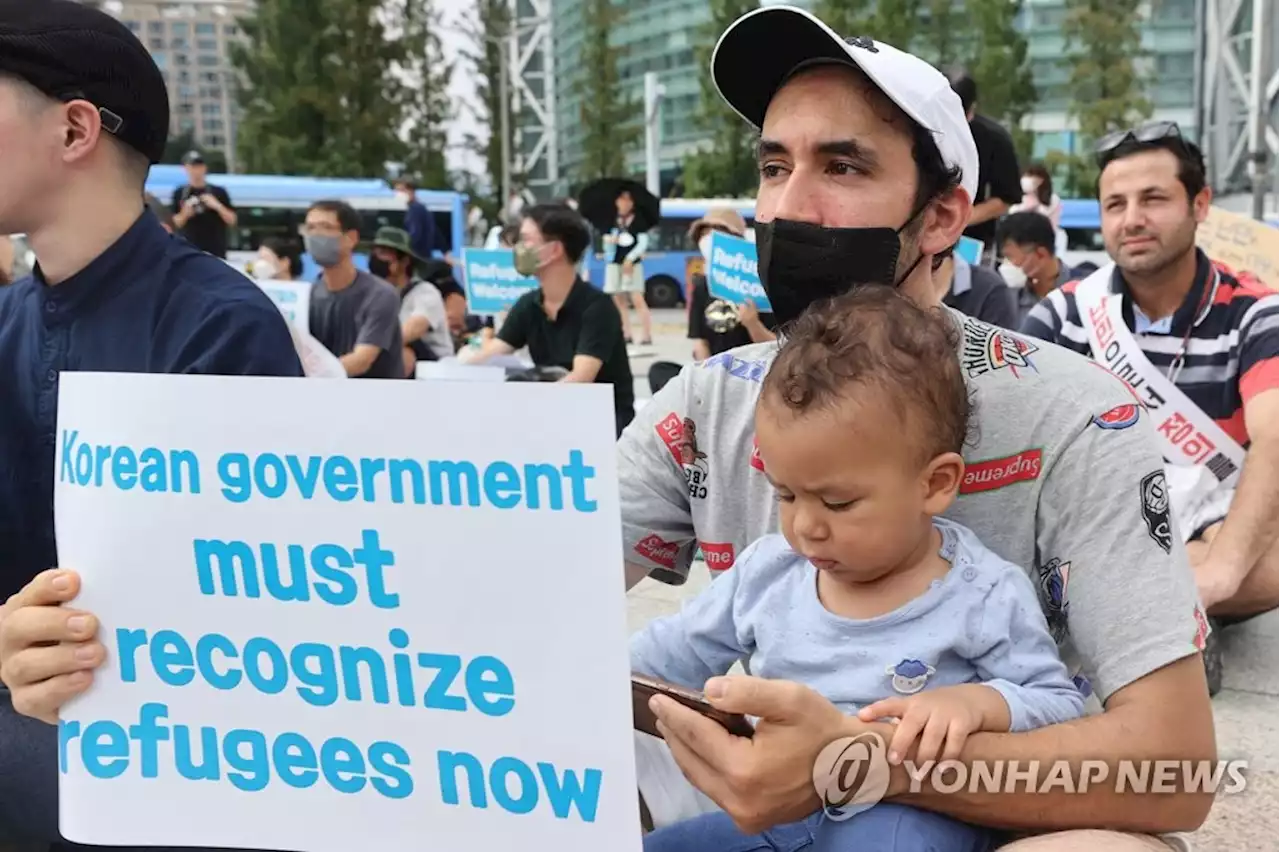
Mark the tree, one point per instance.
(425, 74)
(1104, 46)
(487, 32)
(317, 90)
(978, 34)
(895, 22)
(611, 123)
(849, 17)
(999, 63)
(944, 32)
(728, 167)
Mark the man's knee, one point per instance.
(1088, 841)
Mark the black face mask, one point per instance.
(800, 263)
(380, 267)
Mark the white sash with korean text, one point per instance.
(1188, 436)
(1202, 462)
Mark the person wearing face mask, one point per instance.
(1038, 197)
(418, 220)
(278, 260)
(1030, 265)
(355, 314)
(565, 322)
(424, 325)
(975, 291)
(868, 172)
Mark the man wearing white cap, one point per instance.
(868, 172)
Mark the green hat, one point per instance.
(397, 239)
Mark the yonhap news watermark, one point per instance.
(852, 774)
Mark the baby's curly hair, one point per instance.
(874, 338)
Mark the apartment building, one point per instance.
(190, 40)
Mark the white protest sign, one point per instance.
(293, 298)
(459, 372)
(356, 637)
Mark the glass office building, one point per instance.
(658, 35)
(1168, 39)
(655, 35)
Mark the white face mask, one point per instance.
(1013, 275)
(704, 246)
(1030, 185)
(264, 269)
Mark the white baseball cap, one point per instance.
(763, 48)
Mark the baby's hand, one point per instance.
(948, 714)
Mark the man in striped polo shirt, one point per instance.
(1197, 342)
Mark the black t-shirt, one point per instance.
(366, 312)
(716, 321)
(205, 230)
(998, 173)
(588, 323)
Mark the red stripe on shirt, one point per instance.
(1234, 426)
(1238, 284)
(1262, 376)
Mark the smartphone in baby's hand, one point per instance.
(643, 688)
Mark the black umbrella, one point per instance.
(597, 204)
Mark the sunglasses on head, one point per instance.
(1153, 131)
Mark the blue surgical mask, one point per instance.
(325, 249)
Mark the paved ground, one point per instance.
(1246, 710)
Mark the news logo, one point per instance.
(851, 775)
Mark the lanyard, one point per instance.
(1202, 311)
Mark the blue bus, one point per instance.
(275, 205)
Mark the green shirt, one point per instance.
(588, 323)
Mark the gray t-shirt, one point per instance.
(1051, 486)
(981, 623)
(366, 312)
(424, 300)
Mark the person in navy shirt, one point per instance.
(418, 220)
(83, 115)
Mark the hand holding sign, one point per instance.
(47, 652)
(325, 642)
(732, 275)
